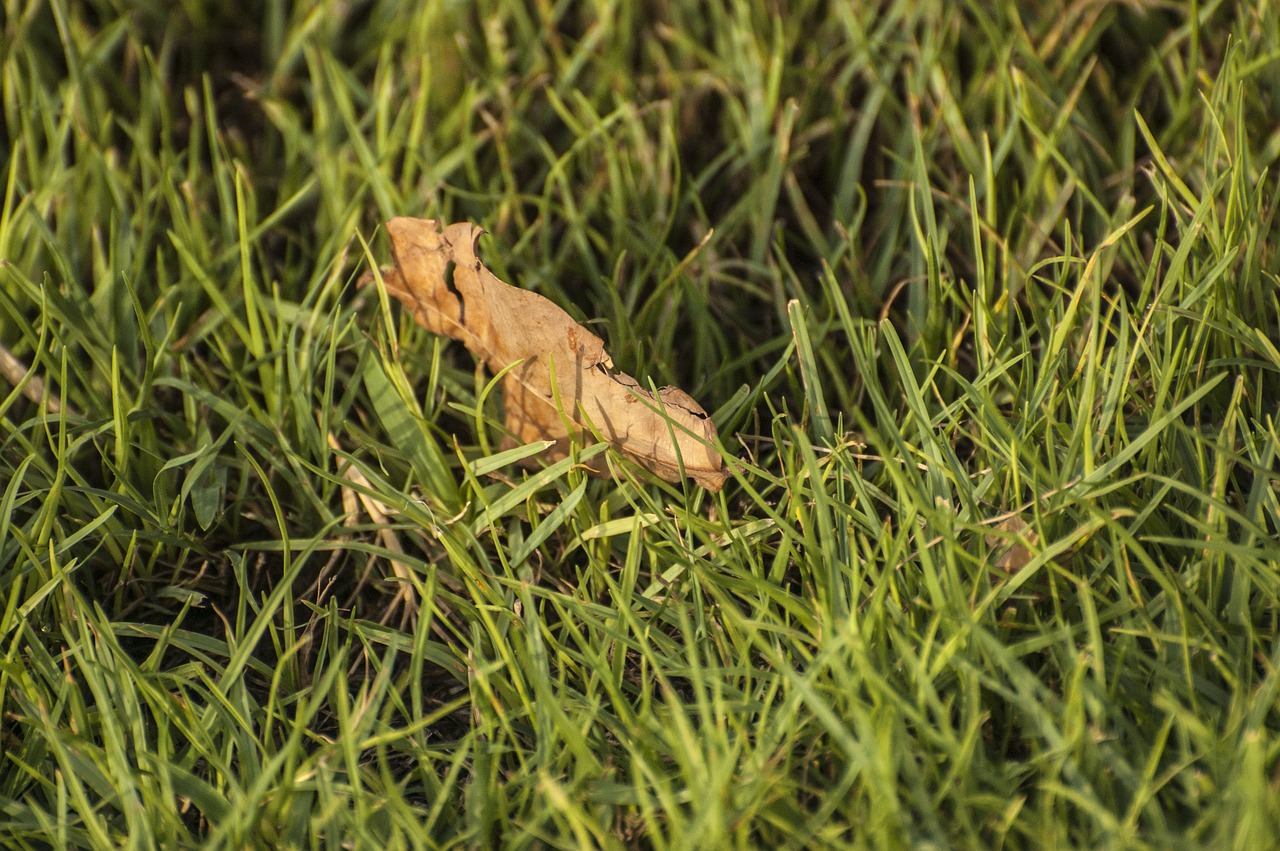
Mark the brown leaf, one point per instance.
(1018, 538)
(563, 384)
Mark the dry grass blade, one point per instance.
(19, 374)
(358, 496)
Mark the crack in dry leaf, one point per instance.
(549, 357)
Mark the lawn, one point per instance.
(982, 296)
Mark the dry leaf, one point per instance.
(1018, 539)
(563, 383)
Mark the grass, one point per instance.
(985, 298)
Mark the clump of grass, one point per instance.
(983, 295)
